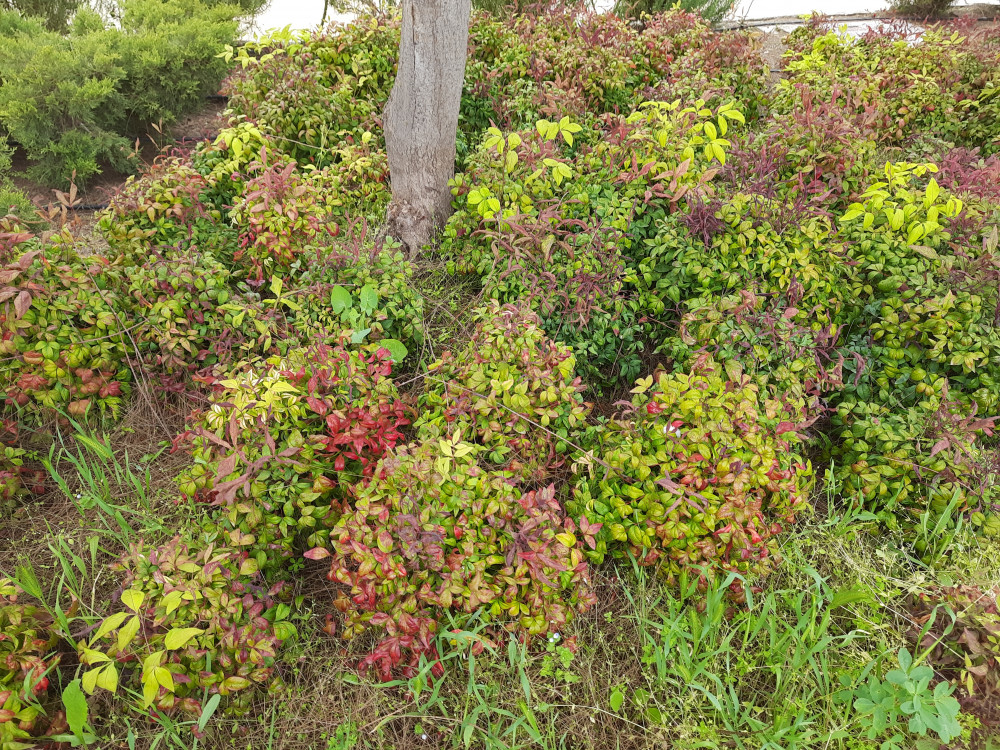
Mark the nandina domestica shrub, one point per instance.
(352, 291)
(197, 619)
(511, 390)
(283, 439)
(17, 480)
(435, 531)
(189, 316)
(904, 462)
(27, 657)
(703, 470)
(63, 347)
(164, 207)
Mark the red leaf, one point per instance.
(939, 446)
(226, 466)
(22, 303)
(316, 553)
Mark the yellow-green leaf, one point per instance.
(178, 637)
(133, 599)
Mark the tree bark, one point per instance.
(421, 117)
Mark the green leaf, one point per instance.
(109, 624)
(208, 711)
(340, 300)
(108, 678)
(75, 703)
(89, 681)
(127, 634)
(358, 336)
(397, 350)
(133, 599)
(178, 637)
(616, 700)
(369, 299)
(905, 660)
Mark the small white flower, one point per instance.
(423, 736)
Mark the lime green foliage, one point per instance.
(156, 64)
(196, 617)
(945, 85)
(512, 391)
(704, 471)
(543, 216)
(27, 657)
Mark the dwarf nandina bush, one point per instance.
(515, 388)
(963, 634)
(547, 218)
(197, 619)
(310, 91)
(943, 85)
(280, 213)
(63, 347)
(352, 291)
(189, 316)
(17, 480)
(928, 303)
(749, 248)
(703, 470)
(236, 155)
(966, 173)
(27, 657)
(164, 207)
(435, 531)
(825, 149)
(281, 442)
(753, 334)
(902, 462)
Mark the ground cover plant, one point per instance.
(680, 433)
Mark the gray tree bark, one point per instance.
(421, 117)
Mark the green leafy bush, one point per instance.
(760, 336)
(436, 532)
(959, 627)
(75, 101)
(27, 658)
(704, 470)
(64, 348)
(280, 442)
(349, 291)
(189, 318)
(198, 618)
(891, 79)
(164, 207)
(511, 390)
(904, 461)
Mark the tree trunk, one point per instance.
(421, 117)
